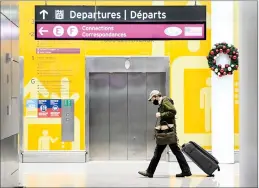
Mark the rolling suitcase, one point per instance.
(201, 158)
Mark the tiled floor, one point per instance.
(121, 174)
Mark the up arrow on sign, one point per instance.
(43, 13)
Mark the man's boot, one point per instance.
(184, 174)
(146, 174)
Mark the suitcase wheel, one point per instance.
(212, 175)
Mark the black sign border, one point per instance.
(120, 6)
(123, 39)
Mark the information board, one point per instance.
(120, 22)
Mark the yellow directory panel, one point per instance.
(54, 73)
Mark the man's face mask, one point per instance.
(155, 101)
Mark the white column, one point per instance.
(248, 100)
(222, 89)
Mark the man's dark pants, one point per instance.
(176, 151)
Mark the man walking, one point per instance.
(166, 113)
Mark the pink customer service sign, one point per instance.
(122, 31)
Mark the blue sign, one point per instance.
(49, 108)
(32, 104)
(55, 105)
(43, 105)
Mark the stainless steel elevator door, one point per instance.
(121, 120)
(99, 136)
(118, 116)
(137, 114)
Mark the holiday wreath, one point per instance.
(223, 48)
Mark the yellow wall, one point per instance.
(189, 72)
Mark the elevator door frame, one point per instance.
(100, 64)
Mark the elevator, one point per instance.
(120, 120)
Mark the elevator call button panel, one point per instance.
(67, 120)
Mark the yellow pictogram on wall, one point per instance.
(45, 140)
(205, 104)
